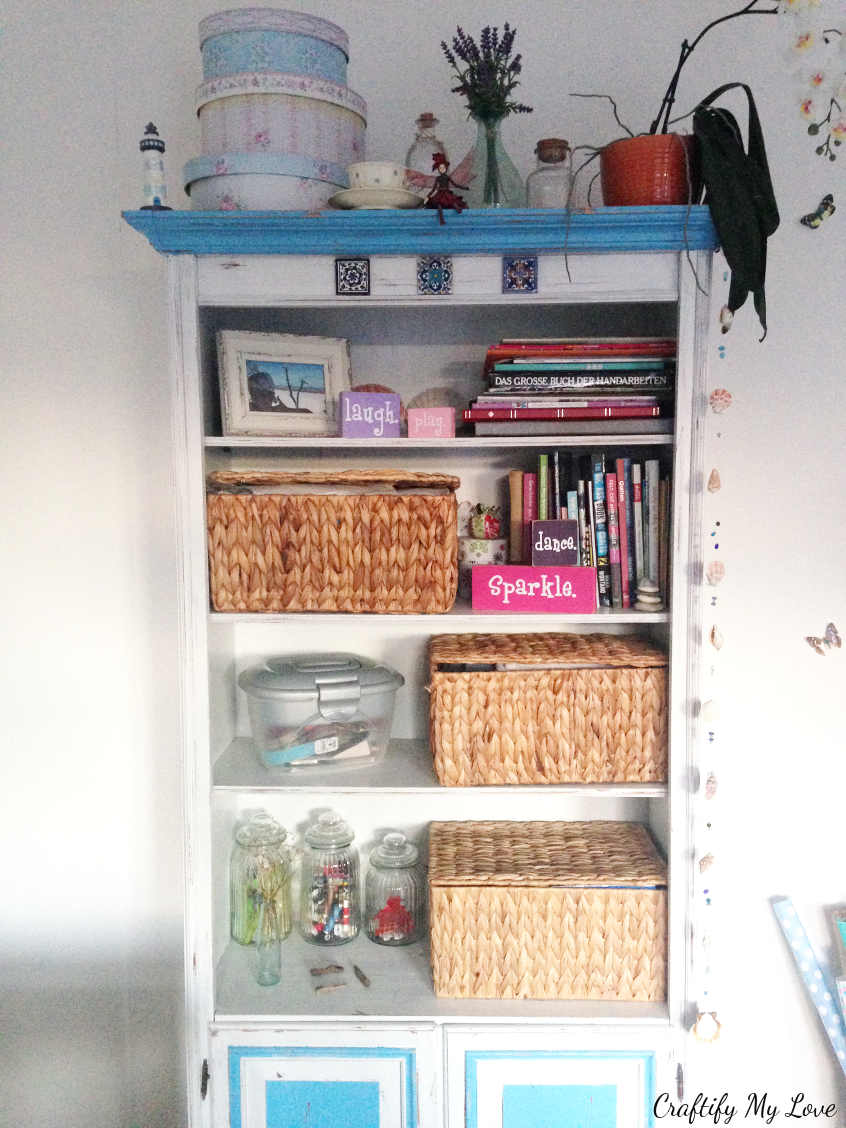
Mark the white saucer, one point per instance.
(378, 198)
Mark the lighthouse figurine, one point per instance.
(155, 190)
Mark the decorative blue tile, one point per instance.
(352, 275)
(434, 274)
(520, 275)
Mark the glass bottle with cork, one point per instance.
(548, 186)
(424, 146)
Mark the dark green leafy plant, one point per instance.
(740, 195)
(486, 71)
(736, 178)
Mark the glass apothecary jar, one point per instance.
(549, 185)
(424, 146)
(330, 907)
(259, 879)
(394, 892)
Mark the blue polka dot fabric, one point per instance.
(820, 988)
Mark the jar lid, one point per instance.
(260, 829)
(394, 850)
(329, 829)
(552, 149)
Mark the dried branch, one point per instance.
(613, 107)
(662, 119)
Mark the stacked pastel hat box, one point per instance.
(278, 123)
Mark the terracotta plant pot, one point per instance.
(660, 168)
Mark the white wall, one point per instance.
(90, 951)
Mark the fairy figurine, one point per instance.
(442, 196)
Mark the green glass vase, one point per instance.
(495, 183)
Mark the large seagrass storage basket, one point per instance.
(547, 910)
(547, 708)
(382, 540)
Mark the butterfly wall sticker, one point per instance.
(822, 211)
(831, 639)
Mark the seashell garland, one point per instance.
(720, 400)
(715, 572)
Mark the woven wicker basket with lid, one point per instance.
(382, 540)
(547, 708)
(547, 910)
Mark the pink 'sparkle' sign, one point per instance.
(518, 587)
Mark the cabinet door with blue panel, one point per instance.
(538, 1079)
(308, 1078)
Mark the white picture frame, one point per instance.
(281, 383)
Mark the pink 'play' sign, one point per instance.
(518, 587)
(431, 422)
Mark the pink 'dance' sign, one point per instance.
(518, 587)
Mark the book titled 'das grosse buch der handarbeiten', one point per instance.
(598, 382)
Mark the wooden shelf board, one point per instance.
(400, 988)
(442, 447)
(460, 615)
(406, 769)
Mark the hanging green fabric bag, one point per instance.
(739, 192)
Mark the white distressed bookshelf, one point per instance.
(617, 271)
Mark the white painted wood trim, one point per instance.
(270, 280)
(425, 1039)
(459, 1039)
(193, 690)
(685, 634)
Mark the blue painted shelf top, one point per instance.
(390, 232)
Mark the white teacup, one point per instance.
(376, 174)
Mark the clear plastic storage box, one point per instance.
(313, 711)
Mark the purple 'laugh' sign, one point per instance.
(370, 415)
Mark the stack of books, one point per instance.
(576, 385)
(622, 506)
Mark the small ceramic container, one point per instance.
(376, 174)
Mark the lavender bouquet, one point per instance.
(486, 72)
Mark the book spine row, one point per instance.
(622, 507)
